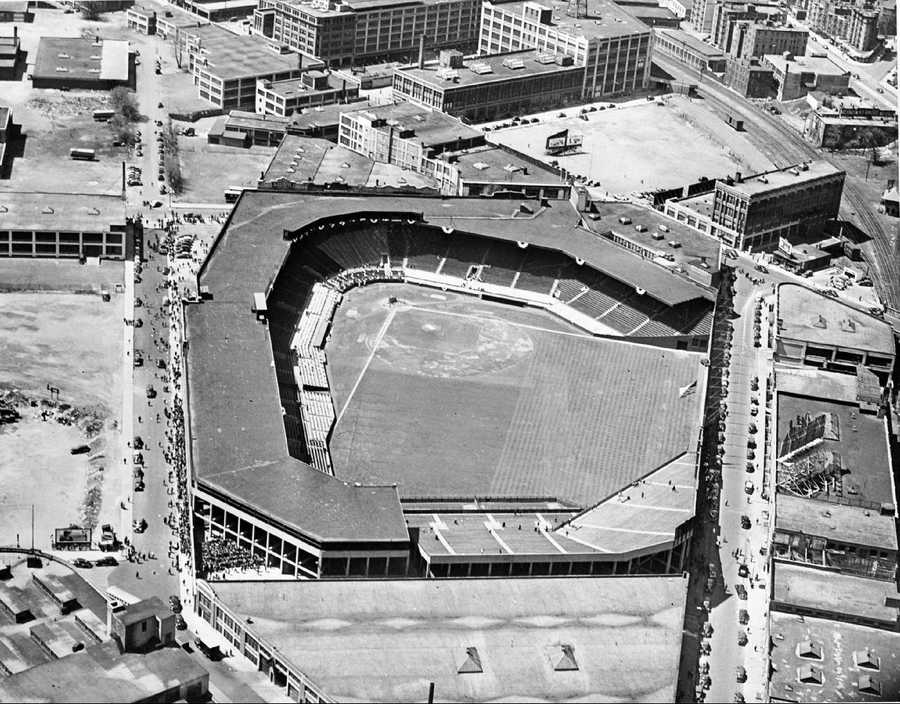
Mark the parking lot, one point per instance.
(641, 145)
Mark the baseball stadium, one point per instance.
(432, 387)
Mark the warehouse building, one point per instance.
(82, 62)
(11, 56)
(688, 49)
(757, 39)
(610, 45)
(798, 75)
(492, 87)
(350, 32)
(754, 213)
(227, 66)
(16, 11)
(313, 88)
(850, 128)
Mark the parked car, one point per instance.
(138, 442)
(151, 392)
(745, 522)
(175, 604)
(741, 674)
(748, 486)
(741, 591)
(82, 563)
(743, 570)
(181, 624)
(743, 617)
(108, 561)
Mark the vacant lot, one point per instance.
(643, 146)
(73, 343)
(447, 395)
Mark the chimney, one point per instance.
(739, 177)
(422, 51)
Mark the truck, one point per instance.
(735, 123)
(108, 541)
(80, 154)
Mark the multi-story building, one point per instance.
(227, 66)
(750, 78)
(346, 32)
(311, 89)
(493, 87)
(689, 50)
(863, 29)
(10, 56)
(754, 213)
(797, 76)
(753, 39)
(727, 14)
(440, 147)
(16, 11)
(680, 8)
(850, 128)
(853, 22)
(650, 13)
(702, 15)
(612, 46)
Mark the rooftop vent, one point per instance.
(567, 662)
(481, 68)
(545, 58)
(480, 165)
(867, 659)
(47, 210)
(848, 325)
(820, 322)
(472, 663)
(810, 675)
(869, 685)
(513, 64)
(809, 649)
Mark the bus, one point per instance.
(103, 115)
(82, 154)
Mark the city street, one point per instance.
(741, 609)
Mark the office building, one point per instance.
(727, 14)
(349, 32)
(610, 45)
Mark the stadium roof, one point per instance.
(811, 317)
(239, 447)
(60, 211)
(843, 646)
(798, 586)
(493, 164)
(343, 633)
(862, 444)
(835, 522)
(100, 673)
(602, 19)
(82, 58)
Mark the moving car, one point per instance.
(82, 563)
(108, 561)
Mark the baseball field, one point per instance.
(451, 396)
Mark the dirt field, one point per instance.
(74, 343)
(643, 146)
(55, 121)
(447, 395)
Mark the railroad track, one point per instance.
(791, 148)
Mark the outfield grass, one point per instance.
(465, 398)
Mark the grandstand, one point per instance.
(307, 252)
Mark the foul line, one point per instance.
(471, 316)
(382, 331)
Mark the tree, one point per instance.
(173, 173)
(90, 11)
(125, 103)
(122, 129)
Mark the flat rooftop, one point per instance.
(82, 59)
(836, 522)
(412, 632)
(60, 211)
(820, 65)
(783, 178)
(244, 120)
(690, 41)
(603, 19)
(694, 248)
(862, 445)
(100, 673)
(231, 56)
(171, 15)
(493, 163)
(809, 381)
(843, 646)
(310, 160)
(294, 87)
(322, 116)
(832, 592)
(355, 6)
(808, 316)
(498, 71)
(431, 128)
